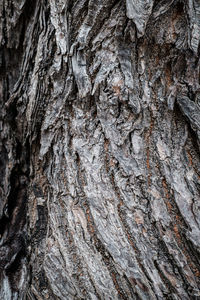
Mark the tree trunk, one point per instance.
(99, 149)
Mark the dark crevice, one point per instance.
(194, 139)
(16, 264)
(166, 282)
(107, 258)
(12, 223)
(163, 249)
(28, 11)
(178, 113)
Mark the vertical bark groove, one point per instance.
(99, 149)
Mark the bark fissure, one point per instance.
(99, 149)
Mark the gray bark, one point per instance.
(99, 149)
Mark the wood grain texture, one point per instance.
(99, 149)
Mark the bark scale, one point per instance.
(99, 149)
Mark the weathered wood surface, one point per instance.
(99, 149)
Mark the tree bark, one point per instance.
(99, 149)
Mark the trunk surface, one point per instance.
(99, 149)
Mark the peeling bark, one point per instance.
(99, 149)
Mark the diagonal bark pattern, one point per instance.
(99, 149)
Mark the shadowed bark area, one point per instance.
(99, 149)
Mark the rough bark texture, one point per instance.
(99, 149)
